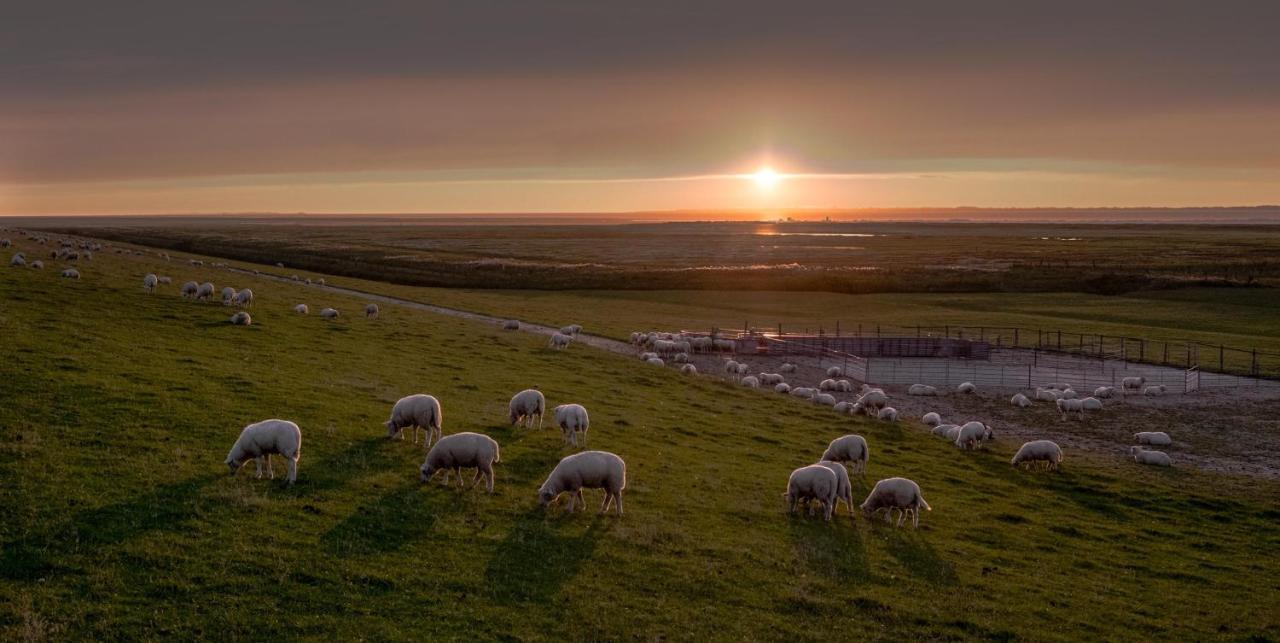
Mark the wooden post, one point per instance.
(1165, 359)
(1253, 366)
(1221, 360)
(1059, 340)
(1015, 337)
(837, 328)
(1142, 350)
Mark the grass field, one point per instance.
(118, 520)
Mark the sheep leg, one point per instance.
(573, 499)
(258, 462)
(292, 464)
(446, 477)
(476, 480)
(488, 474)
(617, 497)
(828, 506)
(584, 438)
(604, 506)
(902, 515)
(461, 481)
(271, 470)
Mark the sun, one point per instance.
(766, 177)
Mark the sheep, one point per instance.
(1039, 451)
(844, 489)
(972, 434)
(1061, 386)
(851, 448)
(571, 329)
(646, 356)
(527, 405)
(1069, 394)
(71, 273)
(418, 411)
(835, 371)
(301, 309)
(1047, 395)
(750, 381)
(1091, 404)
(5, 243)
(307, 281)
(18, 260)
(725, 345)
(189, 289)
(37, 265)
(873, 400)
(771, 379)
(787, 367)
(967, 387)
(559, 341)
(681, 358)
(1155, 391)
(655, 361)
(1066, 407)
(228, 294)
(888, 414)
(511, 324)
(689, 369)
(844, 386)
(329, 313)
(921, 389)
(814, 482)
(782, 387)
(293, 277)
(803, 391)
(1019, 400)
(164, 281)
(149, 282)
(371, 311)
(586, 470)
(205, 291)
(244, 298)
(896, 493)
(827, 385)
(320, 281)
(241, 319)
(1104, 392)
(948, 431)
(931, 418)
(1155, 438)
(825, 399)
(262, 439)
(572, 419)
(1132, 383)
(459, 451)
(1156, 458)
(843, 407)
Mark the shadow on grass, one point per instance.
(918, 557)
(366, 455)
(164, 508)
(395, 519)
(832, 549)
(541, 553)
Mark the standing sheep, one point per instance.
(1045, 451)
(850, 448)
(1091, 404)
(462, 451)
(972, 434)
(572, 420)
(329, 313)
(1132, 384)
(814, 482)
(189, 289)
(244, 298)
(844, 489)
(1156, 458)
(1066, 407)
(301, 309)
(260, 440)
(205, 291)
(418, 411)
(371, 311)
(228, 294)
(149, 282)
(559, 341)
(586, 470)
(1104, 392)
(526, 406)
(896, 493)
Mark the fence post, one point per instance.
(1059, 340)
(877, 330)
(1028, 376)
(1165, 359)
(1221, 360)
(1142, 350)
(837, 328)
(1253, 365)
(1015, 338)
(1039, 337)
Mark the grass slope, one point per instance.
(117, 518)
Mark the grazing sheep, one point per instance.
(572, 419)
(850, 448)
(1155, 438)
(241, 319)
(888, 414)
(655, 361)
(244, 298)
(149, 282)
(526, 406)
(948, 431)
(844, 489)
(419, 412)
(1066, 407)
(844, 407)
(1019, 400)
(37, 265)
(1155, 391)
(1091, 404)
(873, 401)
(586, 470)
(462, 451)
(301, 309)
(932, 419)
(262, 439)
(731, 367)
(1047, 395)
(189, 289)
(804, 391)
(371, 311)
(827, 385)
(18, 260)
(771, 379)
(571, 329)
(750, 381)
(689, 369)
(787, 368)
(835, 371)
(814, 482)
(967, 387)
(71, 273)
(844, 386)
(1132, 384)
(559, 341)
(1156, 458)
(511, 324)
(896, 493)
(921, 389)
(782, 388)
(228, 294)
(825, 399)
(329, 313)
(1039, 451)
(973, 434)
(205, 291)
(1104, 392)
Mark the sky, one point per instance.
(601, 106)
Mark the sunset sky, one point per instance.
(530, 106)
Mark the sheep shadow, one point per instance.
(918, 557)
(539, 555)
(165, 508)
(395, 519)
(833, 549)
(365, 455)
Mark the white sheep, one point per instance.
(1019, 400)
(888, 414)
(1156, 458)
(586, 470)
(244, 298)
(896, 493)
(827, 385)
(526, 406)
(149, 282)
(973, 434)
(241, 319)
(1047, 395)
(1155, 438)
(462, 451)
(329, 313)
(263, 439)
(1132, 383)
(511, 324)
(655, 361)
(835, 371)
(931, 418)
(948, 431)
(771, 379)
(189, 289)
(967, 387)
(164, 281)
(843, 407)
(418, 412)
(571, 329)
(1045, 451)
(1066, 407)
(804, 391)
(572, 420)
(689, 369)
(37, 265)
(850, 448)
(371, 311)
(1091, 404)
(825, 399)
(320, 281)
(205, 291)
(1069, 394)
(228, 294)
(5, 243)
(1155, 391)
(814, 482)
(921, 389)
(559, 341)
(844, 386)
(750, 381)
(18, 260)
(873, 401)
(71, 273)
(1104, 392)
(787, 367)
(301, 309)
(782, 388)
(844, 489)
(681, 358)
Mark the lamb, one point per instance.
(787, 368)
(851, 448)
(572, 419)
(205, 291)
(1104, 392)
(526, 406)
(189, 289)
(972, 434)
(896, 493)
(149, 282)
(835, 371)
(1132, 383)
(244, 298)
(71, 273)
(301, 309)
(418, 411)
(689, 369)
(750, 381)
(967, 387)
(1066, 407)
(1045, 451)
(921, 389)
(262, 439)
(844, 490)
(655, 361)
(462, 451)
(888, 414)
(1156, 438)
(783, 388)
(329, 313)
(932, 419)
(814, 482)
(241, 319)
(771, 379)
(511, 324)
(228, 294)
(586, 470)
(1019, 400)
(371, 311)
(825, 399)
(1155, 391)
(1091, 404)
(559, 341)
(1155, 458)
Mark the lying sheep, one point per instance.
(586, 470)
(149, 282)
(71, 273)
(241, 319)
(262, 439)
(1104, 392)
(655, 361)
(462, 451)
(301, 309)
(850, 448)
(371, 311)
(681, 358)
(814, 482)
(825, 399)
(1019, 400)
(843, 407)
(1047, 395)
(787, 368)
(418, 412)
(1132, 383)
(689, 369)
(511, 324)
(329, 313)
(19, 260)
(805, 392)
(844, 489)
(1067, 407)
(932, 419)
(835, 371)
(526, 406)
(948, 431)
(896, 493)
(921, 389)
(973, 434)
(967, 387)
(572, 420)
(1156, 438)
(559, 341)
(844, 386)
(888, 414)
(244, 298)
(1091, 404)
(1039, 451)
(750, 381)
(1155, 458)
(646, 356)
(37, 265)
(1155, 391)
(782, 388)
(827, 385)
(770, 379)
(320, 281)
(189, 289)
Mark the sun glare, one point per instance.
(766, 177)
